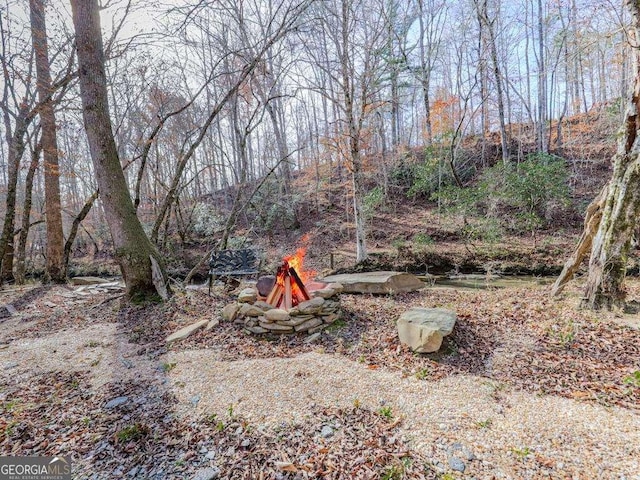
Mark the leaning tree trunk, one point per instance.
(619, 211)
(55, 268)
(610, 249)
(138, 259)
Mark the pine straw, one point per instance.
(57, 414)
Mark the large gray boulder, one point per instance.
(423, 329)
(376, 282)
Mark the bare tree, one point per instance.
(432, 20)
(488, 29)
(354, 34)
(16, 123)
(251, 58)
(140, 263)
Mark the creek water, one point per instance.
(482, 281)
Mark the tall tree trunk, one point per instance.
(354, 129)
(135, 254)
(425, 75)
(543, 146)
(16, 150)
(493, 50)
(55, 270)
(26, 215)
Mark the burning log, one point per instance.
(289, 290)
(275, 294)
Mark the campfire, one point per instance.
(289, 303)
(289, 288)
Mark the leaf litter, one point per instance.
(518, 337)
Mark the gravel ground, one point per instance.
(457, 421)
(512, 433)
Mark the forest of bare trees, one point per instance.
(236, 97)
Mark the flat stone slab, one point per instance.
(116, 402)
(381, 283)
(89, 281)
(186, 331)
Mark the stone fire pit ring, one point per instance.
(308, 317)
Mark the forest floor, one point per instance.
(526, 387)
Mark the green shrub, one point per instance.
(372, 201)
(402, 175)
(518, 197)
(132, 433)
(420, 179)
(535, 183)
(429, 177)
(422, 239)
(207, 220)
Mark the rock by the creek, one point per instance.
(325, 293)
(312, 322)
(423, 329)
(377, 282)
(186, 331)
(229, 312)
(248, 295)
(456, 464)
(248, 310)
(336, 287)
(277, 315)
(312, 306)
(265, 284)
(88, 281)
(326, 431)
(459, 450)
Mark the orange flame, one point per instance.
(296, 261)
(292, 275)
